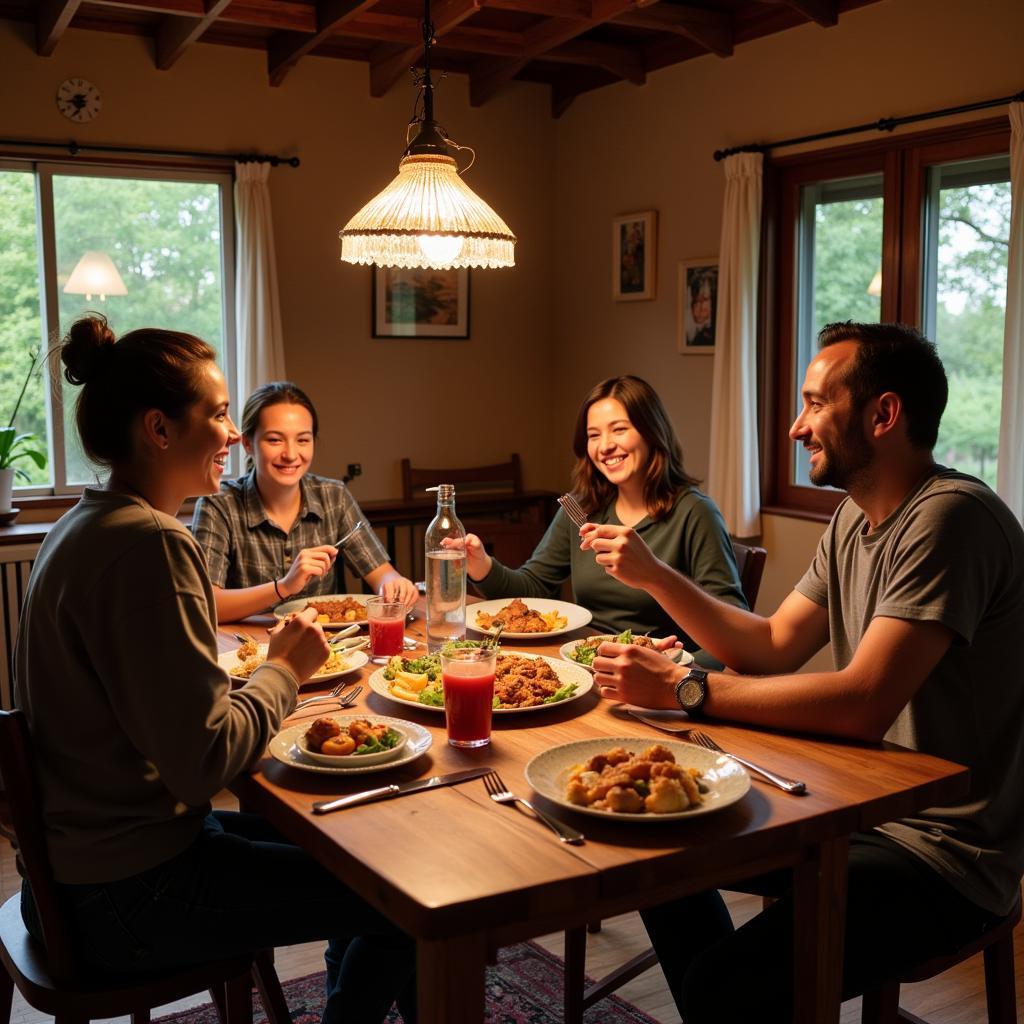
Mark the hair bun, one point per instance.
(87, 348)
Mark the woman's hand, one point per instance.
(622, 553)
(636, 675)
(309, 564)
(478, 562)
(299, 645)
(398, 589)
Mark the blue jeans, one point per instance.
(899, 913)
(239, 888)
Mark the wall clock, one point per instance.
(78, 100)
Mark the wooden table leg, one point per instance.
(450, 980)
(819, 901)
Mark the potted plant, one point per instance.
(15, 446)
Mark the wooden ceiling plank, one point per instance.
(285, 49)
(174, 34)
(621, 61)
(387, 70)
(711, 29)
(549, 8)
(188, 8)
(52, 20)
(282, 15)
(824, 12)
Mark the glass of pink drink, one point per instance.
(387, 628)
(467, 674)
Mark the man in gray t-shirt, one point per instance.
(918, 588)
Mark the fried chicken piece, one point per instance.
(576, 792)
(642, 641)
(658, 753)
(321, 729)
(666, 797)
(361, 730)
(666, 770)
(624, 799)
(249, 649)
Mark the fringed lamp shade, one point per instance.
(95, 274)
(428, 217)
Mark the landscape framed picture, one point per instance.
(420, 303)
(697, 307)
(634, 256)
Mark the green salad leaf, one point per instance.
(373, 745)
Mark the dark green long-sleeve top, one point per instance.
(692, 539)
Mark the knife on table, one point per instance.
(399, 789)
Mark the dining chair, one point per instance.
(750, 563)
(502, 476)
(882, 1006)
(49, 976)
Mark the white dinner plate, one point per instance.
(566, 672)
(285, 748)
(727, 781)
(575, 615)
(676, 654)
(228, 660)
(299, 603)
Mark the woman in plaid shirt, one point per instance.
(269, 535)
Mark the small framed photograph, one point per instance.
(420, 303)
(698, 306)
(634, 255)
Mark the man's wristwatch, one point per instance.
(692, 691)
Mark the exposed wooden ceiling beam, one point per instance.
(488, 78)
(52, 20)
(549, 8)
(622, 61)
(174, 34)
(711, 29)
(824, 12)
(285, 49)
(388, 64)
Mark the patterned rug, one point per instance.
(524, 988)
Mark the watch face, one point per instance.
(691, 693)
(78, 100)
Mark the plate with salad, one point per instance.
(522, 682)
(582, 652)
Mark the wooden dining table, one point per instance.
(463, 875)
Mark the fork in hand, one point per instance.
(702, 739)
(500, 795)
(573, 510)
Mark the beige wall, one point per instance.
(378, 399)
(628, 148)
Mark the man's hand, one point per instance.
(299, 645)
(309, 564)
(622, 553)
(636, 675)
(399, 590)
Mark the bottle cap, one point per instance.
(445, 492)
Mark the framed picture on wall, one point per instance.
(420, 303)
(634, 255)
(697, 306)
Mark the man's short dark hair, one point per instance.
(897, 358)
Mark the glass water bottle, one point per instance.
(446, 572)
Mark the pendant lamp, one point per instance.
(428, 216)
(95, 274)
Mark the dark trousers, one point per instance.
(899, 913)
(238, 888)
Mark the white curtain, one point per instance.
(1010, 476)
(257, 305)
(733, 475)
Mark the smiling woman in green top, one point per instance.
(629, 472)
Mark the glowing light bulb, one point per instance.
(441, 250)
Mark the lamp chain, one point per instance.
(428, 85)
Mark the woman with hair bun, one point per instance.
(134, 724)
(629, 473)
(269, 535)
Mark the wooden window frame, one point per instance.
(904, 162)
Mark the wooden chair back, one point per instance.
(24, 829)
(503, 476)
(750, 563)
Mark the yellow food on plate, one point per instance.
(621, 782)
(336, 662)
(414, 681)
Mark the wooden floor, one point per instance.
(958, 997)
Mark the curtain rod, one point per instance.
(74, 148)
(885, 124)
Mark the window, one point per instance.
(914, 229)
(169, 235)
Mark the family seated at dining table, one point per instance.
(918, 585)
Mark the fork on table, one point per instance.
(702, 739)
(334, 696)
(500, 795)
(573, 510)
